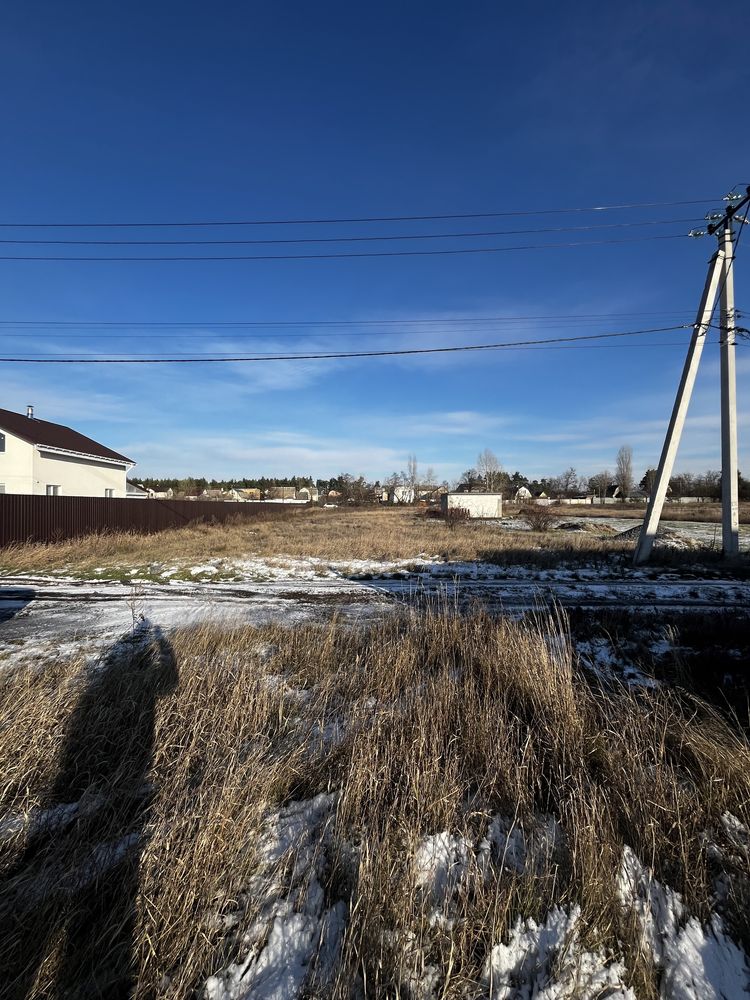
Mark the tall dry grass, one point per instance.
(176, 748)
(343, 535)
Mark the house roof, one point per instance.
(44, 432)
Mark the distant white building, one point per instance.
(38, 457)
(134, 491)
(523, 494)
(478, 504)
(403, 494)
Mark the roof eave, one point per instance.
(110, 459)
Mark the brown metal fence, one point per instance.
(52, 519)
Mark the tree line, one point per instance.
(487, 474)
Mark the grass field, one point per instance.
(704, 512)
(336, 535)
(386, 811)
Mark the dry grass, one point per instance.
(380, 534)
(700, 512)
(183, 745)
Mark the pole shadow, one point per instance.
(68, 903)
(13, 600)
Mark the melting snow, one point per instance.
(548, 962)
(697, 962)
(295, 939)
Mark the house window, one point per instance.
(109, 494)
(53, 491)
(2, 487)
(2, 442)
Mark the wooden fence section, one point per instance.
(52, 519)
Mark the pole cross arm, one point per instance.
(729, 213)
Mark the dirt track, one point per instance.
(43, 611)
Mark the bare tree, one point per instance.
(567, 482)
(490, 470)
(412, 477)
(600, 482)
(624, 471)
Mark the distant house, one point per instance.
(282, 493)
(309, 493)
(160, 494)
(244, 495)
(611, 495)
(39, 457)
(522, 495)
(214, 495)
(134, 491)
(402, 494)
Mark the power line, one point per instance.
(194, 324)
(274, 333)
(346, 221)
(267, 356)
(232, 335)
(343, 255)
(349, 239)
(344, 354)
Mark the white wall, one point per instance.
(77, 477)
(477, 504)
(28, 469)
(16, 464)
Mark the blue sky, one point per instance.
(188, 111)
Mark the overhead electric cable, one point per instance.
(343, 255)
(380, 238)
(150, 224)
(343, 354)
(193, 324)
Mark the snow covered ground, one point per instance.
(290, 945)
(48, 615)
(293, 942)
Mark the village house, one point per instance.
(244, 495)
(38, 457)
(281, 493)
(134, 491)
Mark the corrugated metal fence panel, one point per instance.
(51, 519)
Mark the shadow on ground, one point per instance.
(68, 892)
(13, 600)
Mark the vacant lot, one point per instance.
(336, 535)
(430, 806)
(705, 512)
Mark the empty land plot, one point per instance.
(342, 535)
(432, 805)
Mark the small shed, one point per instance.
(481, 505)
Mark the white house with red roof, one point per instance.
(39, 457)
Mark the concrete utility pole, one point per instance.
(730, 535)
(679, 411)
(720, 270)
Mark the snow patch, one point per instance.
(697, 962)
(294, 941)
(548, 962)
(441, 861)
